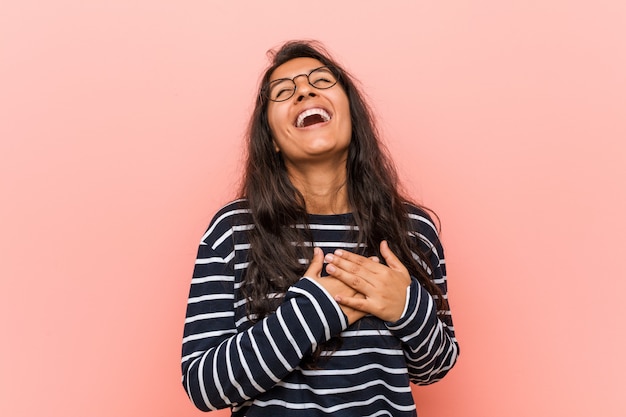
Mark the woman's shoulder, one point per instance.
(423, 221)
(233, 208)
(233, 214)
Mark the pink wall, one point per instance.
(121, 126)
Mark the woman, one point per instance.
(321, 290)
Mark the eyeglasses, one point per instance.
(283, 89)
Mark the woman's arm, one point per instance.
(428, 336)
(428, 340)
(222, 367)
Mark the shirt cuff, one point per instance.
(406, 302)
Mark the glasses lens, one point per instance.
(322, 78)
(281, 90)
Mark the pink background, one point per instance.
(121, 128)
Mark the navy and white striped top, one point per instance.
(227, 361)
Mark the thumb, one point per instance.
(316, 264)
(392, 260)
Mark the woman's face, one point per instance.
(314, 124)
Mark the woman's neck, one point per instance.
(324, 190)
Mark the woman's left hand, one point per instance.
(384, 286)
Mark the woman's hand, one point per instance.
(381, 288)
(333, 286)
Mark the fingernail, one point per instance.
(338, 252)
(330, 268)
(329, 257)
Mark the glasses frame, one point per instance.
(268, 86)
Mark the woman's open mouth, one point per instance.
(311, 117)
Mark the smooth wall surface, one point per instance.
(121, 127)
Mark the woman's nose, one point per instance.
(303, 88)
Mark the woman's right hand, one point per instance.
(333, 286)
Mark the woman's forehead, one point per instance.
(295, 67)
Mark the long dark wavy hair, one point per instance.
(376, 202)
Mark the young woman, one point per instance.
(321, 290)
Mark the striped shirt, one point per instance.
(256, 368)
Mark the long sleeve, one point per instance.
(261, 369)
(428, 338)
(223, 367)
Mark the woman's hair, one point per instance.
(377, 205)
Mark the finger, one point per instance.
(392, 260)
(353, 263)
(316, 264)
(357, 303)
(355, 277)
